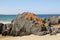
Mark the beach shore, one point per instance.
(31, 37)
(5, 22)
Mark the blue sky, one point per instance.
(36, 6)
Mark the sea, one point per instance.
(11, 17)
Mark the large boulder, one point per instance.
(23, 25)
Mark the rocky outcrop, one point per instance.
(25, 24)
(53, 19)
(28, 23)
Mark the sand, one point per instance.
(32, 37)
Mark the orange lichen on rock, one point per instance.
(40, 21)
(29, 15)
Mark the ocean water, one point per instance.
(7, 17)
(11, 17)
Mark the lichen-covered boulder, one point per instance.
(25, 24)
(22, 25)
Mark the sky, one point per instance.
(36, 6)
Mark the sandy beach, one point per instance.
(32, 37)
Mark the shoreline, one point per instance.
(32, 37)
(5, 22)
